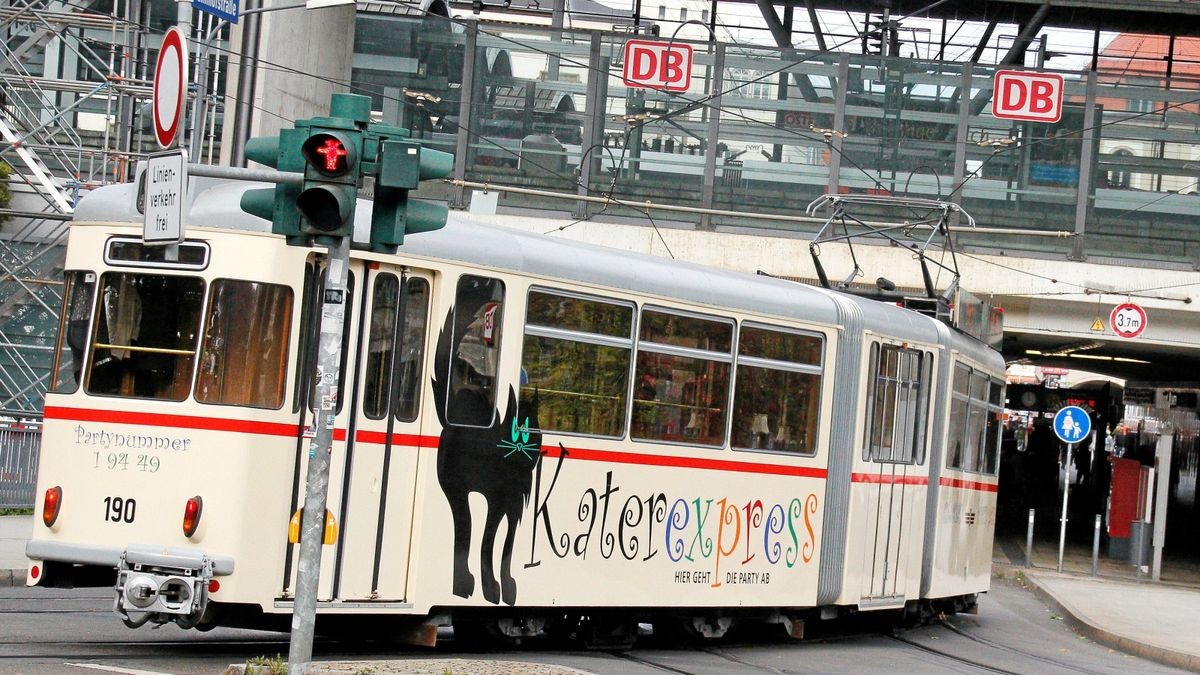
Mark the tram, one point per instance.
(531, 434)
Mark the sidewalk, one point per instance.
(1156, 621)
(14, 532)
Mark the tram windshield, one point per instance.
(147, 329)
(144, 336)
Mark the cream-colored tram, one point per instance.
(529, 433)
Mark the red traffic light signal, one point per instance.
(330, 153)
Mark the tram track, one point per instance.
(1008, 648)
(953, 657)
(626, 656)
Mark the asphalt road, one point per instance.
(75, 631)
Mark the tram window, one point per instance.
(78, 295)
(123, 252)
(975, 415)
(681, 382)
(956, 436)
(778, 391)
(308, 305)
(412, 349)
(576, 357)
(144, 339)
(243, 360)
(478, 317)
(380, 342)
(381, 345)
(898, 404)
(976, 422)
(995, 416)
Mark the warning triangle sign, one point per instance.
(1098, 325)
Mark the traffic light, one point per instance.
(400, 166)
(277, 204)
(326, 199)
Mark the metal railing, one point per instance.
(20, 445)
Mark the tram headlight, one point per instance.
(191, 515)
(141, 591)
(51, 504)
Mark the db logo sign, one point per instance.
(658, 65)
(1032, 97)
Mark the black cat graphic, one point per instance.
(482, 450)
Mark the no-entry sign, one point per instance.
(170, 87)
(1032, 97)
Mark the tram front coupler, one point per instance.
(162, 585)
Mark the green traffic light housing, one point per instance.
(327, 151)
(277, 204)
(400, 167)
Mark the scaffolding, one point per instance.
(75, 91)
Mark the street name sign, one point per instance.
(222, 9)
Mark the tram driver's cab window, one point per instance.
(144, 336)
(478, 314)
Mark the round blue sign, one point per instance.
(1072, 424)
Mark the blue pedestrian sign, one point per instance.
(1072, 424)
(222, 9)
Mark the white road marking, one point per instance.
(114, 669)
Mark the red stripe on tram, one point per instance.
(968, 484)
(411, 440)
(875, 478)
(418, 441)
(176, 421)
(617, 457)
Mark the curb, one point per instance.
(12, 577)
(417, 666)
(1168, 657)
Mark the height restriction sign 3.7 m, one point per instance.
(1127, 320)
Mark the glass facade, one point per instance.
(774, 129)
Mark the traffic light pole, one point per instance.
(312, 525)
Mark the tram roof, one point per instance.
(214, 204)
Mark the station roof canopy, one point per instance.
(1179, 17)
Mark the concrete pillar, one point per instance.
(304, 57)
(315, 49)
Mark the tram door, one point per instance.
(372, 469)
(376, 495)
(892, 480)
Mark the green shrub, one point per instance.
(5, 195)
